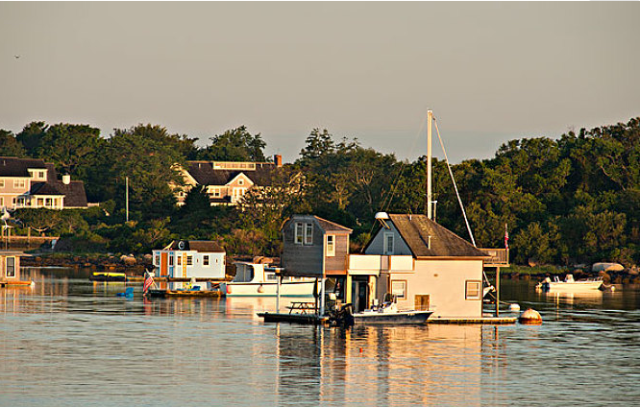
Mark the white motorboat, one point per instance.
(256, 280)
(385, 314)
(569, 284)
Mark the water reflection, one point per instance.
(76, 343)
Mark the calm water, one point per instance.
(68, 342)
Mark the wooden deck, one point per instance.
(499, 257)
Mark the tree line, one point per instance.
(574, 199)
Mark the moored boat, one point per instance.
(256, 280)
(386, 314)
(569, 284)
(108, 276)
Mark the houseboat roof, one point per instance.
(202, 246)
(326, 225)
(426, 238)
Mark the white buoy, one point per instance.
(514, 308)
(530, 317)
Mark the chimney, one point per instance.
(278, 160)
(66, 179)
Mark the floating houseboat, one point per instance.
(191, 259)
(10, 270)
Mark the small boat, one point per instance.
(386, 314)
(191, 293)
(107, 276)
(569, 284)
(256, 280)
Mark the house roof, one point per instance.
(202, 246)
(18, 167)
(73, 192)
(205, 174)
(326, 225)
(417, 230)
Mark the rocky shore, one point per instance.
(131, 265)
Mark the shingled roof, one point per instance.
(74, 193)
(326, 225)
(417, 230)
(205, 174)
(18, 167)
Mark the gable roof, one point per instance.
(326, 225)
(204, 173)
(417, 230)
(19, 167)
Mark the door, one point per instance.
(360, 293)
(422, 302)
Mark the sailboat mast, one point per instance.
(429, 184)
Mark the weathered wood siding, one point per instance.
(338, 263)
(300, 259)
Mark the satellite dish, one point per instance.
(181, 245)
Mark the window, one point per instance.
(189, 260)
(205, 260)
(11, 266)
(1, 201)
(240, 181)
(18, 183)
(215, 192)
(331, 245)
(299, 233)
(474, 290)
(179, 260)
(308, 234)
(157, 260)
(171, 259)
(399, 288)
(388, 243)
(1, 183)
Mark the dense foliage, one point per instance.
(574, 199)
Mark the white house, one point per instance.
(425, 265)
(190, 259)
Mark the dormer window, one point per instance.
(303, 233)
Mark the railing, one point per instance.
(499, 257)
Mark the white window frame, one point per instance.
(473, 290)
(1, 183)
(399, 288)
(10, 268)
(298, 233)
(205, 260)
(19, 183)
(308, 234)
(331, 245)
(388, 243)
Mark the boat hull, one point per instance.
(182, 293)
(391, 318)
(287, 289)
(575, 286)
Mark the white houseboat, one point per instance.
(256, 280)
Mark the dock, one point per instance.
(472, 321)
(306, 319)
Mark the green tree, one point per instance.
(30, 137)
(235, 145)
(73, 148)
(10, 146)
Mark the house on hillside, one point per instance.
(190, 259)
(32, 183)
(226, 182)
(425, 265)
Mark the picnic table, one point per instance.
(303, 307)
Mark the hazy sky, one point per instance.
(491, 72)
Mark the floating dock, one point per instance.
(306, 319)
(471, 321)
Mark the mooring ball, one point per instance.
(514, 308)
(530, 317)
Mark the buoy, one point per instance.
(514, 308)
(530, 317)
